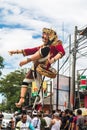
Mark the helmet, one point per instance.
(53, 38)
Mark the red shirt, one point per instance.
(54, 50)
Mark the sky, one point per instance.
(22, 21)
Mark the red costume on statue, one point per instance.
(50, 51)
(54, 50)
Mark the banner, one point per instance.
(35, 88)
(83, 82)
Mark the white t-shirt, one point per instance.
(56, 126)
(48, 120)
(23, 126)
(29, 118)
(36, 123)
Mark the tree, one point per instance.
(10, 88)
(1, 64)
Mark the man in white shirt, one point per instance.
(24, 124)
(56, 122)
(47, 119)
(36, 120)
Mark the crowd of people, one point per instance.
(54, 120)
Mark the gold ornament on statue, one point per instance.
(50, 73)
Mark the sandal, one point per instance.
(21, 101)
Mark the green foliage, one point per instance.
(10, 86)
(1, 64)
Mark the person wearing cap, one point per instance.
(56, 122)
(49, 52)
(36, 120)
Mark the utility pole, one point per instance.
(69, 69)
(83, 34)
(57, 92)
(51, 106)
(72, 90)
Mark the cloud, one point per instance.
(21, 24)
